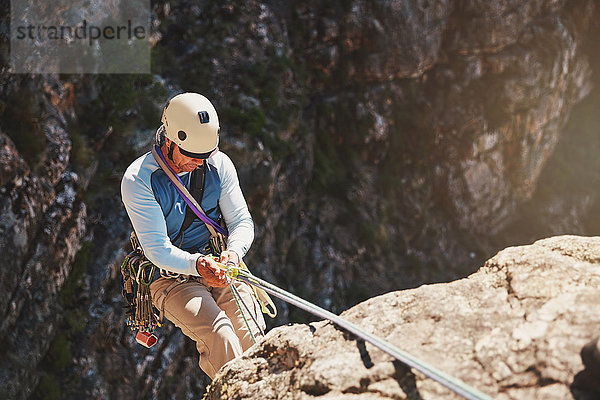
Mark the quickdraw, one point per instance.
(137, 273)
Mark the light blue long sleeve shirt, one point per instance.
(157, 212)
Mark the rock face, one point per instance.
(380, 145)
(41, 224)
(513, 329)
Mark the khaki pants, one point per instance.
(210, 317)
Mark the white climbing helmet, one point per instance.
(191, 122)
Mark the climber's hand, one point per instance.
(209, 270)
(229, 258)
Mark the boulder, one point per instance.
(514, 330)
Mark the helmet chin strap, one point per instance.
(170, 153)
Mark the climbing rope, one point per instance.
(238, 299)
(448, 381)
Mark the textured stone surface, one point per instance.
(514, 330)
(41, 225)
(380, 145)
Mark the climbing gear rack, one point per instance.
(137, 274)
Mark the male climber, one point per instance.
(192, 291)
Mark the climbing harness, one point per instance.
(448, 381)
(136, 276)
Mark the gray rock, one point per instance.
(41, 224)
(513, 329)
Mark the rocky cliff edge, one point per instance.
(513, 329)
